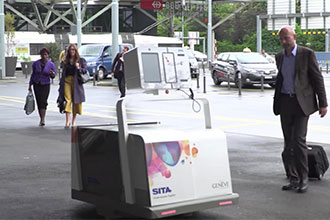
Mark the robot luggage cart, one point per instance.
(150, 170)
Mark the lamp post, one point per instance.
(2, 40)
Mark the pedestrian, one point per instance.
(299, 92)
(42, 71)
(70, 88)
(61, 58)
(118, 71)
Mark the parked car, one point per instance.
(251, 66)
(200, 57)
(194, 68)
(99, 58)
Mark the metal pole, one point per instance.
(183, 6)
(2, 41)
(327, 71)
(209, 32)
(239, 83)
(262, 82)
(79, 23)
(94, 77)
(327, 40)
(259, 41)
(204, 78)
(197, 78)
(115, 27)
(203, 38)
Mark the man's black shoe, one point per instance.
(290, 186)
(303, 187)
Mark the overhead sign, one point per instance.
(152, 4)
(275, 7)
(193, 37)
(318, 6)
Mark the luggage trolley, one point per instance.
(150, 170)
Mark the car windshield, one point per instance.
(199, 54)
(90, 50)
(251, 58)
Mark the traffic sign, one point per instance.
(152, 4)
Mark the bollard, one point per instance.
(262, 82)
(228, 80)
(204, 78)
(321, 69)
(94, 75)
(239, 75)
(95, 71)
(327, 68)
(197, 76)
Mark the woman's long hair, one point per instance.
(68, 56)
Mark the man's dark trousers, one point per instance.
(294, 126)
(121, 84)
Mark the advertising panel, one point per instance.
(210, 164)
(169, 172)
(169, 68)
(194, 166)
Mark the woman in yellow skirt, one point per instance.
(70, 87)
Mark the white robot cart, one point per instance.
(149, 170)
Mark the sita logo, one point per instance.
(161, 190)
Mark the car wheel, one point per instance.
(216, 80)
(272, 85)
(101, 74)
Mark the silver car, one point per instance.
(251, 66)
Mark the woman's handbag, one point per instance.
(83, 77)
(61, 104)
(29, 103)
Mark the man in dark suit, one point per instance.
(299, 92)
(118, 71)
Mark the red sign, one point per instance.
(152, 4)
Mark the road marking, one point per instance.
(10, 97)
(106, 116)
(11, 100)
(238, 125)
(4, 104)
(242, 122)
(159, 113)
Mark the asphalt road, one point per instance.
(35, 162)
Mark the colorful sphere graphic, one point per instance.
(168, 152)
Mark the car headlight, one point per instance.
(91, 64)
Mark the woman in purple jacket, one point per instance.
(42, 71)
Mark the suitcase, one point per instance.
(317, 161)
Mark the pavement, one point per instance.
(35, 170)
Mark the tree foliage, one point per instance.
(239, 30)
(54, 51)
(10, 31)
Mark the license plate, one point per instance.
(268, 77)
